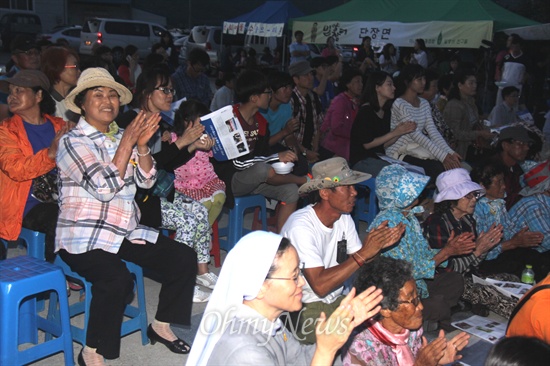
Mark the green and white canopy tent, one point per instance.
(441, 23)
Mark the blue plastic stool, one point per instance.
(235, 230)
(36, 243)
(23, 277)
(27, 320)
(137, 315)
(365, 211)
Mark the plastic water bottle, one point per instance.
(528, 275)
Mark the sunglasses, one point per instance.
(166, 90)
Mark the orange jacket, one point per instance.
(18, 167)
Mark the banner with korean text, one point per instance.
(439, 34)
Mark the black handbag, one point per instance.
(44, 188)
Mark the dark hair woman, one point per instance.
(370, 132)
(61, 67)
(461, 114)
(425, 147)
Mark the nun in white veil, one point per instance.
(259, 280)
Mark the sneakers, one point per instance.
(200, 296)
(208, 280)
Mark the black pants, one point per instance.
(432, 168)
(43, 218)
(445, 290)
(112, 286)
(514, 261)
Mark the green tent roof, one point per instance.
(416, 11)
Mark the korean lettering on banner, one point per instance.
(242, 27)
(334, 31)
(375, 33)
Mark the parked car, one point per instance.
(13, 24)
(204, 37)
(119, 32)
(71, 34)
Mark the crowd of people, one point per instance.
(90, 157)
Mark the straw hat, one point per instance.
(94, 77)
(331, 173)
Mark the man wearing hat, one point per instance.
(533, 210)
(327, 242)
(307, 108)
(512, 148)
(25, 55)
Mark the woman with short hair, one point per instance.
(28, 146)
(98, 227)
(394, 335)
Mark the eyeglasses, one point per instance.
(267, 92)
(477, 195)
(414, 301)
(166, 90)
(198, 68)
(31, 52)
(296, 278)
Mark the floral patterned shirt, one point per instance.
(370, 351)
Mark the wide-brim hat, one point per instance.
(96, 77)
(454, 184)
(299, 68)
(517, 133)
(332, 173)
(536, 180)
(26, 79)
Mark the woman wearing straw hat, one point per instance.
(98, 226)
(241, 324)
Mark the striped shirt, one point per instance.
(97, 207)
(425, 135)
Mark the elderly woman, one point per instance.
(28, 145)
(340, 116)
(517, 247)
(187, 217)
(398, 190)
(452, 219)
(98, 226)
(241, 324)
(394, 335)
(424, 147)
(61, 66)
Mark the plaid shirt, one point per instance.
(192, 88)
(97, 207)
(308, 110)
(534, 211)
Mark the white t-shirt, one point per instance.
(316, 244)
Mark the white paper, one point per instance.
(510, 289)
(484, 328)
(225, 129)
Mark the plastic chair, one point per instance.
(23, 277)
(365, 211)
(137, 315)
(235, 230)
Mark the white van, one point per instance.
(119, 32)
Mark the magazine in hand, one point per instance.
(225, 129)
(510, 289)
(485, 328)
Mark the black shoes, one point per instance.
(177, 346)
